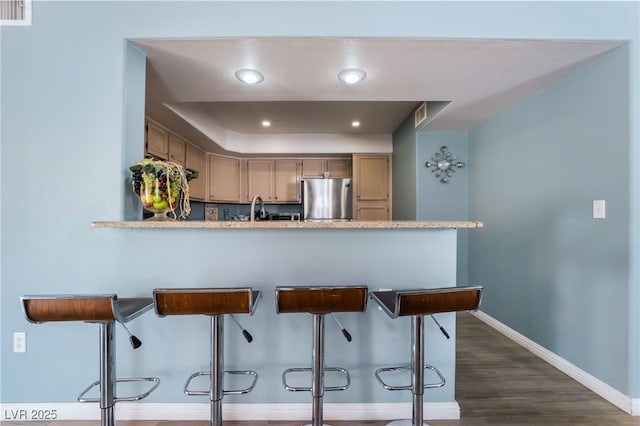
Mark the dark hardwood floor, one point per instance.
(498, 384)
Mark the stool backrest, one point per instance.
(69, 308)
(321, 299)
(438, 300)
(205, 301)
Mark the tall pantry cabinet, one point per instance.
(372, 187)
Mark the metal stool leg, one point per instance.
(216, 373)
(417, 374)
(417, 367)
(317, 384)
(107, 373)
(216, 391)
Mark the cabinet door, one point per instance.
(373, 178)
(259, 179)
(195, 160)
(339, 167)
(312, 167)
(177, 149)
(372, 212)
(224, 179)
(157, 143)
(287, 181)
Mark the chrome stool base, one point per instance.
(404, 423)
(216, 373)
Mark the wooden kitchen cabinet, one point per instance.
(287, 181)
(315, 167)
(276, 181)
(156, 141)
(177, 149)
(223, 178)
(260, 180)
(372, 186)
(196, 159)
(339, 167)
(372, 212)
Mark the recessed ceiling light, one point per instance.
(351, 75)
(249, 76)
(355, 123)
(266, 123)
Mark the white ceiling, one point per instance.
(301, 93)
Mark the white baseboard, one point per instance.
(201, 411)
(612, 395)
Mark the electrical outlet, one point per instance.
(20, 341)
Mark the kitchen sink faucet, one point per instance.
(252, 213)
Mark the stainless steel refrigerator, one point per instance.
(327, 199)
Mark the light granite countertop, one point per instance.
(149, 224)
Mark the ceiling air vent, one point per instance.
(420, 115)
(15, 12)
(434, 107)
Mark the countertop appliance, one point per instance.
(327, 199)
(284, 216)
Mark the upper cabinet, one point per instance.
(287, 180)
(259, 180)
(275, 181)
(177, 149)
(156, 141)
(196, 160)
(223, 179)
(372, 186)
(336, 167)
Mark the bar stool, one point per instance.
(104, 310)
(215, 303)
(319, 301)
(417, 304)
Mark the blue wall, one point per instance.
(552, 272)
(440, 201)
(419, 195)
(71, 108)
(404, 171)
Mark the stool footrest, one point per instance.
(439, 384)
(225, 392)
(155, 380)
(308, 389)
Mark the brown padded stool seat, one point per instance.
(215, 303)
(319, 301)
(205, 301)
(417, 304)
(400, 303)
(105, 310)
(89, 308)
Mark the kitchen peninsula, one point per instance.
(149, 224)
(268, 254)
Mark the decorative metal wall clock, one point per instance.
(444, 164)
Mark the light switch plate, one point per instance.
(599, 209)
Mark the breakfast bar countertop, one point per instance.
(171, 224)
